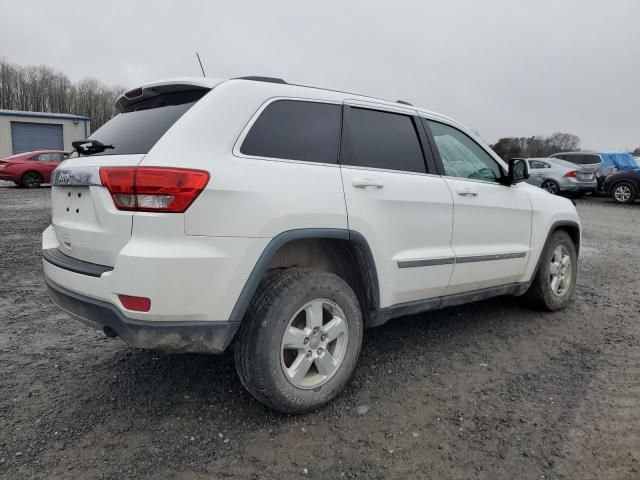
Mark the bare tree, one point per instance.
(42, 89)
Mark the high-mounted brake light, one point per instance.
(571, 174)
(135, 93)
(153, 189)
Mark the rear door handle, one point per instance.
(366, 183)
(467, 192)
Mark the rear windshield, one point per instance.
(140, 125)
(583, 159)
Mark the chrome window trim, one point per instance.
(431, 262)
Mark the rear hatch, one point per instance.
(583, 173)
(588, 163)
(87, 223)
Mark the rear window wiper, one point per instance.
(89, 147)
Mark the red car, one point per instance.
(31, 169)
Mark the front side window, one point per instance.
(461, 156)
(296, 130)
(384, 140)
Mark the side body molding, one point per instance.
(378, 316)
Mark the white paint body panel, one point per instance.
(194, 265)
(408, 219)
(489, 219)
(88, 225)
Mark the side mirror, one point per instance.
(518, 171)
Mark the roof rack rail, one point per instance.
(261, 79)
(404, 102)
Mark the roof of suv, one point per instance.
(211, 82)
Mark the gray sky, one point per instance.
(502, 67)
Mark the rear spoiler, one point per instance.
(150, 90)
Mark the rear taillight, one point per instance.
(571, 174)
(153, 189)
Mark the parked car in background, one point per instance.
(31, 169)
(624, 186)
(209, 212)
(557, 176)
(610, 162)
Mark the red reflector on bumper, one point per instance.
(139, 304)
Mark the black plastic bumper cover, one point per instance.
(59, 259)
(201, 336)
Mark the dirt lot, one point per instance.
(489, 390)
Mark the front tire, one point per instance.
(555, 279)
(624, 193)
(300, 340)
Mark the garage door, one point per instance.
(26, 137)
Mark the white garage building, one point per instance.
(27, 131)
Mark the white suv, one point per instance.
(285, 219)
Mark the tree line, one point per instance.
(42, 89)
(536, 146)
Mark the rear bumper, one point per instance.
(578, 187)
(188, 279)
(198, 336)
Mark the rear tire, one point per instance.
(31, 180)
(624, 193)
(286, 354)
(550, 186)
(555, 279)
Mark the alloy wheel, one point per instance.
(550, 187)
(560, 271)
(314, 344)
(31, 180)
(622, 193)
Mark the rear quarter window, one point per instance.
(296, 130)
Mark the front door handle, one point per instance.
(366, 183)
(467, 192)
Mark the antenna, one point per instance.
(200, 62)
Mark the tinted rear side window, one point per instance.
(384, 140)
(141, 125)
(296, 130)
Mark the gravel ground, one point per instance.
(489, 390)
